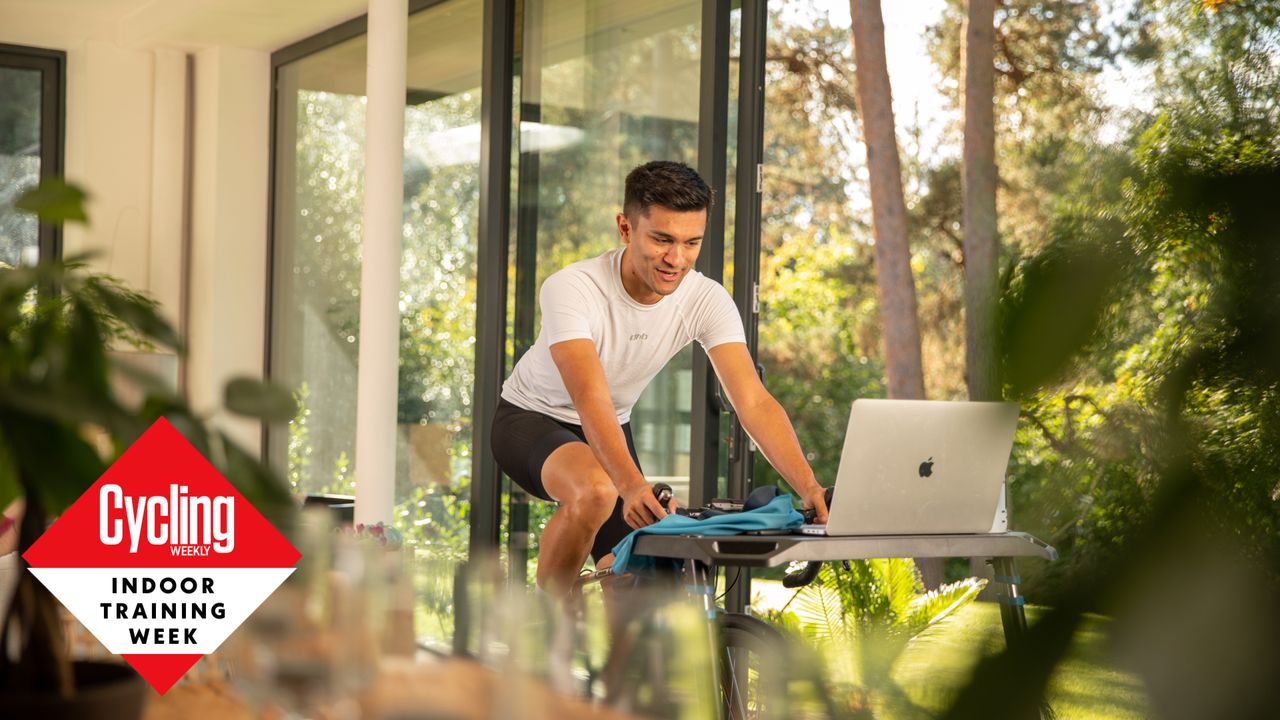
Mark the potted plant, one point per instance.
(57, 322)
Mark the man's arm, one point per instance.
(766, 422)
(579, 367)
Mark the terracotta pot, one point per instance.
(104, 691)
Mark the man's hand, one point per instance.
(640, 507)
(816, 499)
(765, 421)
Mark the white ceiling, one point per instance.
(187, 24)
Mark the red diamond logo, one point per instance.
(161, 559)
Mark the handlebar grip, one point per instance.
(810, 514)
(804, 577)
(663, 493)
(811, 569)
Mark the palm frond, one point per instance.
(820, 611)
(937, 605)
(901, 585)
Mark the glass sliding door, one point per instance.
(606, 85)
(31, 139)
(818, 324)
(316, 281)
(438, 296)
(319, 196)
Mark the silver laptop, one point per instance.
(922, 467)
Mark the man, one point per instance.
(609, 324)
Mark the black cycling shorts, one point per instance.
(522, 440)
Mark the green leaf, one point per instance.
(1051, 312)
(144, 379)
(10, 487)
(87, 349)
(818, 607)
(60, 403)
(16, 282)
(54, 201)
(937, 605)
(262, 400)
(258, 483)
(52, 460)
(189, 426)
(138, 312)
(900, 582)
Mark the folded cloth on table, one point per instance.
(777, 514)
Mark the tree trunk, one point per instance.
(895, 287)
(981, 244)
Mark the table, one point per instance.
(775, 550)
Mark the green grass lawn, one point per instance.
(937, 663)
(1087, 685)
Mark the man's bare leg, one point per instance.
(613, 595)
(573, 477)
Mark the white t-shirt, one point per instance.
(634, 341)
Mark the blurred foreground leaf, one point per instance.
(263, 400)
(54, 201)
(1242, 204)
(1051, 309)
(139, 314)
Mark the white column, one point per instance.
(380, 262)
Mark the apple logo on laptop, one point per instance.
(926, 467)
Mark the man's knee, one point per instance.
(576, 480)
(597, 499)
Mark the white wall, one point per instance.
(110, 97)
(126, 142)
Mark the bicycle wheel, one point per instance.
(755, 668)
(662, 662)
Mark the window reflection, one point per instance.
(605, 86)
(316, 290)
(20, 150)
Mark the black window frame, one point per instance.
(52, 66)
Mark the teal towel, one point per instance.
(777, 515)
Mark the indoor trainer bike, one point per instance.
(758, 669)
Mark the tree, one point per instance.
(1020, 75)
(895, 287)
(981, 245)
(1085, 474)
(1048, 113)
(820, 339)
(1183, 472)
(811, 135)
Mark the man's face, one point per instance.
(662, 246)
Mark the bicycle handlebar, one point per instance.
(804, 577)
(663, 493)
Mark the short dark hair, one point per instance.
(672, 185)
